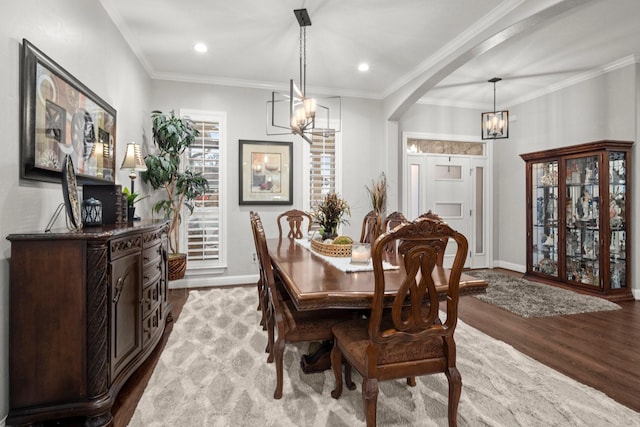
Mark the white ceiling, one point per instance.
(254, 43)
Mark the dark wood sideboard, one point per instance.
(86, 309)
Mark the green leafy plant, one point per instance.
(172, 135)
(378, 194)
(132, 198)
(330, 213)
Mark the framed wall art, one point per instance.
(60, 116)
(266, 173)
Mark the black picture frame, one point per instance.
(266, 172)
(60, 116)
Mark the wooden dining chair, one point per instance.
(392, 220)
(434, 216)
(261, 284)
(295, 218)
(411, 337)
(285, 324)
(370, 227)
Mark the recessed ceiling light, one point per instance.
(363, 67)
(200, 47)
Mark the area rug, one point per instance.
(213, 372)
(529, 299)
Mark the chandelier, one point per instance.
(495, 124)
(296, 111)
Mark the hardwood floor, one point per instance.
(601, 350)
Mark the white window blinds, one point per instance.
(204, 225)
(322, 167)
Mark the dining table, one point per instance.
(314, 283)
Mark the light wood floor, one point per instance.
(600, 349)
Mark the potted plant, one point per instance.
(172, 135)
(132, 199)
(378, 195)
(330, 213)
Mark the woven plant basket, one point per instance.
(330, 249)
(177, 266)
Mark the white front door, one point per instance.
(454, 188)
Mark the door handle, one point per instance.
(119, 285)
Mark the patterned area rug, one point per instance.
(213, 372)
(531, 299)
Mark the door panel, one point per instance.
(452, 187)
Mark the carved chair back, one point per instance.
(371, 225)
(295, 218)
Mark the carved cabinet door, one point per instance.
(125, 297)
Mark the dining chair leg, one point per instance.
(260, 306)
(264, 303)
(336, 366)
(370, 400)
(278, 350)
(270, 333)
(347, 376)
(455, 388)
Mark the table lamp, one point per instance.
(134, 162)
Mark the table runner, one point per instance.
(344, 263)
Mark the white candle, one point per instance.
(360, 252)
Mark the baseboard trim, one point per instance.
(209, 281)
(510, 266)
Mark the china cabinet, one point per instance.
(578, 217)
(86, 309)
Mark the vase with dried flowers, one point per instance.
(329, 214)
(378, 194)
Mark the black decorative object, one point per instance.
(91, 212)
(70, 193)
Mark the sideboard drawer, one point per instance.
(151, 297)
(151, 272)
(152, 254)
(152, 325)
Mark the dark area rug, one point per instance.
(529, 299)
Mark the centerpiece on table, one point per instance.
(329, 214)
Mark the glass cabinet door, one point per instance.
(582, 220)
(545, 217)
(617, 220)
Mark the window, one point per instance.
(203, 233)
(323, 161)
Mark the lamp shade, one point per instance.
(133, 158)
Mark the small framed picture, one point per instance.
(266, 173)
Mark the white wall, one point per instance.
(362, 142)
(80, 37)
